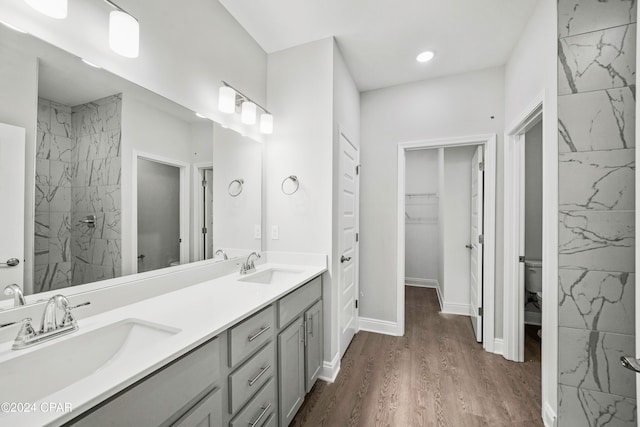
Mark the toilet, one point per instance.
(533, 278)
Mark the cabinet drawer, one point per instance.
(251, 334)
(206, 413)
(248, 379)
(162, 397)
(271, 421)
(293, 304)
(259, 408)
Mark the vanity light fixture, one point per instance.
(425, 56)
(53, 8)
(124, 32)
(231, 100)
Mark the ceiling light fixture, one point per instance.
(89, 63)
(124, 32)
(231, 99)
(13, 27)
(425, 56)
(52, 8)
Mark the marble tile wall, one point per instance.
(77, 174)
(596, 283)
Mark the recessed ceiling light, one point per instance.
(89, 63)
(13, 27)
(425, 56)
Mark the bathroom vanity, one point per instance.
(237, 350)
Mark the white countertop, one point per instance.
(200, 311)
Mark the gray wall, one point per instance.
(596, 112)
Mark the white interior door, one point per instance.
(477, 201)
(348, 245)
(12, 164)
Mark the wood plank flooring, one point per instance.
(435, 375)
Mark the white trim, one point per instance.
(420, 283)
(498, 346)
(490, 143)
(184, 204)
(197, 219)
(548, 415)
(330, 369)
(457, 309)
(379, 326)
(513, 300)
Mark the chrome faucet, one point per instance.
(224, 254)
(248, 266)
(16, 291)
(50, 326)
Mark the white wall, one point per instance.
(533, 193)
(451, 106)
(18, 107)
(457, 228)
(184, 51)
(421, 237)
(234, 218)
(300, 89)
(151, 131)
(530, 72)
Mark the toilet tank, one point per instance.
(533, 275)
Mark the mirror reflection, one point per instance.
(123, 180)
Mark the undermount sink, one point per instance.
(271, 275)
(35, 374)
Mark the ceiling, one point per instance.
(381, 38)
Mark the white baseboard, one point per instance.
(420, 283)
(330, 369)
(459, 309)
(497, 346)
(548, 415)
(378, 326)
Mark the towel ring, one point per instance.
(294, 179)
(235, 193)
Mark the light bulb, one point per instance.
(248, 114)
(227, 100)
(266, 123)
(124, 34)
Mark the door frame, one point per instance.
(356, 264)
(184, 204)
(197, 209)
(549, 374)
(489, 141)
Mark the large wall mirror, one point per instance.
(122, 180)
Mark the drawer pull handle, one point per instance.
(260, 332)
(257, 377)
(264, 411)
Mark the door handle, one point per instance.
(11, 262)
(141, 256)
(344, 259)
(469, 246)
(630, 363)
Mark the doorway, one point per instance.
(161, 211)
(203, 212)
(484, 303)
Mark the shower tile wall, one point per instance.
(77, 174)
(96, 190)
(596, 112)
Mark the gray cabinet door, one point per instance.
(313, 351)
(206, 413)
(291, 370)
